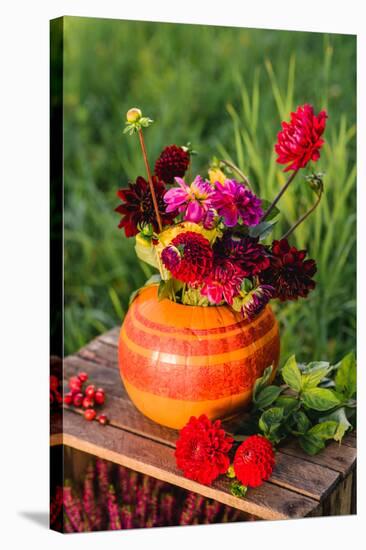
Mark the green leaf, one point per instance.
(320, 399)
(311, 444)
(262, 382)
(237, 489)
(314, 376)
(291, 374)
(146, 251)
(274, 212)
(270, 420)
(343, 424)
(262, 230)
(346, 376)
(168, 289)
(302, 422)
(323, 430)
(289, 404)
(153, 280)
(267, 396)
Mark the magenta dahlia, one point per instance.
(137, 206)
(289, 273)
(234, 201)
(188, 257)
(172, 163)
(192, 200)
(300, 139)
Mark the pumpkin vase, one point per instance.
(178, 361)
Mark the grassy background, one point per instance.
(225, 90)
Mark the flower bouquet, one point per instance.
(201, 331)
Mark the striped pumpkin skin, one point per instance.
(177, 361)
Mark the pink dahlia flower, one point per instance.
(223, 283)
(193, 200)
(300, 139)
(233, 201)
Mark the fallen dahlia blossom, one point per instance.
(223, 283)
(172, 162)
(254, 461)
(244, 252)
(188, 257)
(255, 300)
(300, 139)
(202, 450)
(192, 200)
(137, 206)
(234, 201)
(289, 273)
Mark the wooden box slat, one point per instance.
(300, 485)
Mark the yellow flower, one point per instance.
(215, 174)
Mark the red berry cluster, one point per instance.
(87, 399)
(55, 395)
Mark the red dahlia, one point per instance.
(137, 206)
(247, 255)
(202, 450)
(254, 461)
(289, 273)
(188, 257)
(300, 139)
(172, 163)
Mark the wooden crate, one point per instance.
(300, 485)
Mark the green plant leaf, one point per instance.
(146, 251)
(343, 424)
(168, 289)
(311, 444)
(237, 489)
(270, 420)
(345, 379)
(302, 422)
(262, 382)
(312, 377)
(274, 212)
(289, 404)
(324, 430)
(291, 374)
(153, 280)
(320, 399)
(267, 396)
(262, 230)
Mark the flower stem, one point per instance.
(279, 195)
(236, 169)
(149, 177)
(303, 218)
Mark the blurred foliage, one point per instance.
(226, 91)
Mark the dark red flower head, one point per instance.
(254, 461)
(188, 257)
(202, 450)
(172, 163)
(245, 253)
(289, 273)
(137, 206)
(300, 139)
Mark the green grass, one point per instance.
(225, 90)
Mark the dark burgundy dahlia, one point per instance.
(188, 257)
(137, 206)
(289, 273)
(172, 163)
(247, 255)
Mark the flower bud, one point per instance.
(133, 115)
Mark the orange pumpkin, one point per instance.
(177, 361)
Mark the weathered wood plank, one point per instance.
(100, 352)
(298, 475)
(340, 458)
(267, 502)
(339, 502)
